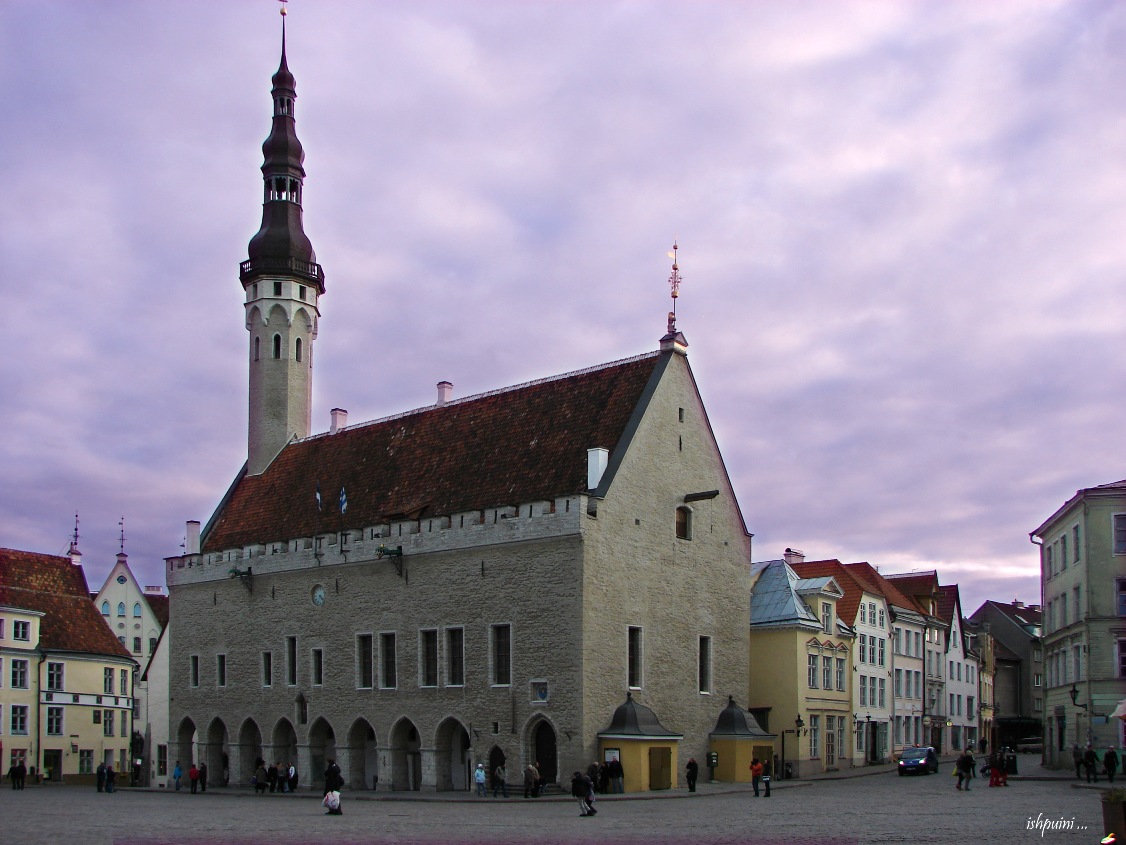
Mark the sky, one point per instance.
(900, 229)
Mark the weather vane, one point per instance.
(121, 522)
(283, 2)
(74, 539)
(674, 283)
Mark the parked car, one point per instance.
(916, 760)
(1030, 745)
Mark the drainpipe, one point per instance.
(39, 713)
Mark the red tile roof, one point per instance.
(877, 583)
(917, 586)
(159, 606)
(847, 605)
(522, 444)
(57, 588)
(948, 603)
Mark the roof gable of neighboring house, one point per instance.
(158, 603)
(877, 583)
(920, 587)
(776, 599)
(1114, 488)
(521, 444)
(57, 588)
(852, 586)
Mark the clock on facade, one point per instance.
(318, 595)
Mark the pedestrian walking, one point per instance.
(259, 779)
(1110, 763)
(292, 778)
(531, 777)
(193, 778)
(691, 772)
(13, 775)
(100, 777)
(177, 773)
(479, 779)
(500, 780)
(111, 777)
(756, 774)
(965, 769)
(203, 777)
(21, 773)
(583, 791)
(1090, 764)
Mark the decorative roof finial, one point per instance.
(74, 538)
(674, 283)
(121, 523)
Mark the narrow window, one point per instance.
(301, 292)
(267, 668)
(277, 346)
(121, 608)
(428, 658)
(299, 350)
(364, 662)
(684, 523)
(19, 674)
(827, 617)
(107, 681)
(1075, 543)
(705, 665)
(455, 657)
(291, 661)
(1120, 534)
(136, 645)
(55, 677)
(257, 345)
(221, 669)
(634, 657)
(194, 671)
(137, 610)
(107, 723)
(152, 644)
(318, 667)
(54, 721)
(826, 673)
(105, 608)
(840, 675)
(277, 289)
(811, 670)
(502, 655)
(388, 676)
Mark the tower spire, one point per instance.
(674, 341)
(282, 282)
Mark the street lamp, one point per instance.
(1074, 693)
(796, 731)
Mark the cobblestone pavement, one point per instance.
(878, 808)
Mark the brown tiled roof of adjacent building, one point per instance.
(917, 586)
(159, 606)
(522, 444)
(1021, 614)
(847, 605)
(948, 603)
(877, 583)
(56, 588)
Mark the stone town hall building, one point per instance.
(485, 578)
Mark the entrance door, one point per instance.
(53, 764)
(546, 753)
(660, 768)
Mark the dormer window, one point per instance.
(827, 617)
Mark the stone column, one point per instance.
(234, 769)
(429, 781)
(306, 777)
(386, 773)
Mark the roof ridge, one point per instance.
(487, 393)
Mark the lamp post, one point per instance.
(1074, 694)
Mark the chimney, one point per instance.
(74, 555)
(445, 390)
(339, 420)
(191, 547)
(792, 556)
(1018, 603)
(596, 460)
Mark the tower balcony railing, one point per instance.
(309, 270)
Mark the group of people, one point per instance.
(197, 777)
(105, 778)
(606, 777)
(17, 773)
(1088, 761)
(276, 777)
(995, 765)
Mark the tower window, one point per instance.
(257, 343)
(299, 349)
(277, 289)
(277, 346)
(301, 292)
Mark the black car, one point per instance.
(913, 760)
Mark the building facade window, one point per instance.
(107, 723)
(365, 662)
(455, 657)
(684, 523)
(137, 610)
(19, 720)
(826, 673)
(811, 670)
(193, 671)
(882, 654)
(388, 676)
(1120, 533)
(267, 668)
(318, 667)
(121, 608)
(221, 670)
(826, 617)
(1120, 597)
(501, 636)
(54, 721)
(704, 665)
(428, 658)
(19, 674)
(291, 661)
(863, 650)
(814, 736)
(162, 760)
(55, 677)
(21, 631)
(840, 676)
(105, 608)
(86, 761)
(136, 645)
(634, 657)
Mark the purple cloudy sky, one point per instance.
(901, 231)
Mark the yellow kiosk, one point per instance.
(738, 739)
(641, 744)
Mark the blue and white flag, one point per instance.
(343, 501)
(318, 495)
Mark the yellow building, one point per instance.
(800, 668)
(66, 699)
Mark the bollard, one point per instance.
(766, 782)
